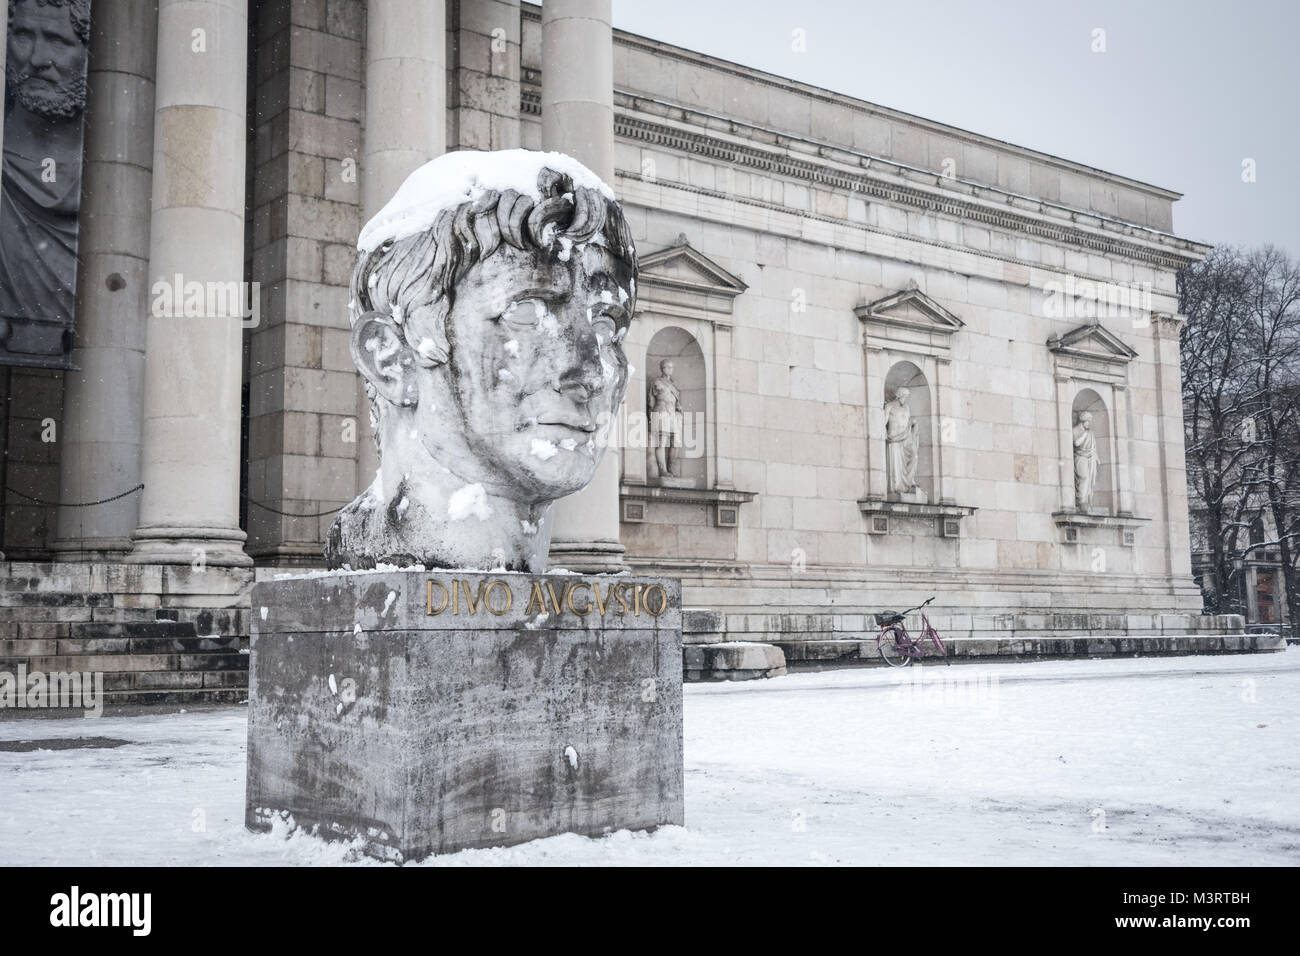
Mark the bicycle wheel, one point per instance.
(895, 647)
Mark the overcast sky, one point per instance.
(1183, 93)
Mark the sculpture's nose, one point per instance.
(576, 391)
(43, 57)
(584, 379)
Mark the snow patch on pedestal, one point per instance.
(470, 501)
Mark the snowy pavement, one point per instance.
(1176, 761)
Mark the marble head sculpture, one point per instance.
(490, 300)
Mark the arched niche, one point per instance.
(676, 345)
(1087, 401)
(907, 375)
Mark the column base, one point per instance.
(219, 547)
(288, 556)
(602, 556)
(88, 550)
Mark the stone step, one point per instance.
(216, 660)
(214, 695)
(127, 686)
(190, 697)
(123, 579)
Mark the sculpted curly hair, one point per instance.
(414, 279)
(78, 10)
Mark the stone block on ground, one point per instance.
(734, 660)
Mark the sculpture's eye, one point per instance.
(604, 325)
(606, 316)
(525, 313)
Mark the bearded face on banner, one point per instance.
(45, 65)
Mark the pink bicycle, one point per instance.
(897, 647)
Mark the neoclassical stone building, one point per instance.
(806, 259)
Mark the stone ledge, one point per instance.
(686, 495)
(947, 516)
(1113, 645)
(910, 509)
(1082, 519)
(814, 655)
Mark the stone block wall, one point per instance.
(483, 74)
(303, 429)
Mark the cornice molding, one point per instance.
(1036, 218)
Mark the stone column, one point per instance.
(405, 127)
(578, 82)
(100, 441)
(578, 119)
(189, 510)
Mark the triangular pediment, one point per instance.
(1092, 341)
(910, 308)
(686, 269)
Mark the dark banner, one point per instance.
(44, 105)
(913, 909)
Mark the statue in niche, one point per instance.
(490, 301)
(40, 178)
(1086, 461)
(902, 449)
(664, 399)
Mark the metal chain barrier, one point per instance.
(139, 487)
(78, 504)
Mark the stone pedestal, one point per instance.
(434, 712)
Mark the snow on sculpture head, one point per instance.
(489, 304)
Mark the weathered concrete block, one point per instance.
(433, 712)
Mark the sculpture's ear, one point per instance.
(382, 357)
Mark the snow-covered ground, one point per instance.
(1139, 761)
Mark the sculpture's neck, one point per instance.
(59, 135)
(438, 518)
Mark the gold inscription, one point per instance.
(496, 596)
(445, 597)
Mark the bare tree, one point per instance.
(1212, 295)
(1241, 395)
(1274, 468)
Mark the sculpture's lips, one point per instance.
(577, 423)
